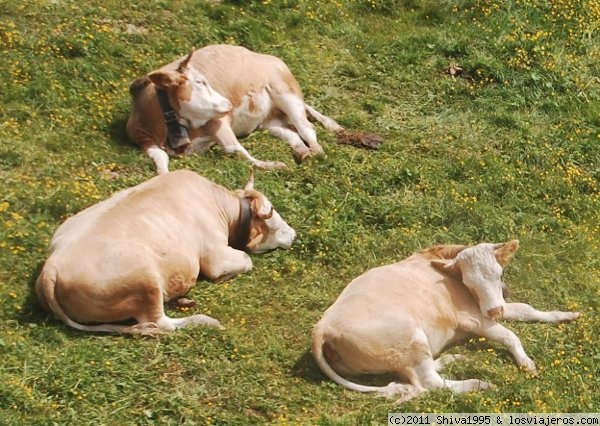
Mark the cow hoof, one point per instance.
(486, 386)
(182, 302)
(570, 316)
(301, 156)
(529, 365)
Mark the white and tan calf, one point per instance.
(220, 93)
(125, 257)
(399, 318)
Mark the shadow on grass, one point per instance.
(118, 134)
(306, 368)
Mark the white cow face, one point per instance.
(481, 268)
(269, 231)
(198, 101)
(189, 89)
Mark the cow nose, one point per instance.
(495, 313)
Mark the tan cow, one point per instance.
(398, 318)
(219, 93)
(124, 257)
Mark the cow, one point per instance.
(398, 318)
(123, 258)
(217, 94)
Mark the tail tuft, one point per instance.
(359, 139)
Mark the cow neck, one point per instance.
(177, 135)
(238, 235)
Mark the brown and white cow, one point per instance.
(398, 318)
(220, 93)
(124, 257)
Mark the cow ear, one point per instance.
(447, 266)
(254, 238)
(164, 79)
(504, 252)
(184, 64)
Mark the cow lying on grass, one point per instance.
(125, 257)
(398, 318)
(219, 93)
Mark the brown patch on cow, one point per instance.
(178, 284)
(258, 230)
(258, 227)
(447, 251)
(138, 85)
(359, 139)
(164, 79)
(445, 322)
(446, 266)
(506, 251)
(183, 91)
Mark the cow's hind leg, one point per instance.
(279, 129)
(225, 137)
(294, 108)
(159, 322)
(170, 324)
(425, 371)
(150, 312)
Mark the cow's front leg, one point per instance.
(525, 312)
(499, 333)
(224, 135)
(222, 265)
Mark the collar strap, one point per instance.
(177, 135)
(240, 238)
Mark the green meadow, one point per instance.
(490, 111)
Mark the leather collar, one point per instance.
(177, 135)
(239, 238)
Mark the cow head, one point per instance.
(268, 230)
(190, 94)
(481, 270)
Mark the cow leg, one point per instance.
(430, 379)
(499, 333)
(151, 316)
(225, 136)
(525, 312)
(425, 371)
(279, 130)
(294, 108)
(222, 265)
(160, 158)
(166, 323)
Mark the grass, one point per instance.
(506, 149)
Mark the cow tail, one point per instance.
(344, 136)
(45, 288)
(406, 391)
(327, 122)
(46, 292)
